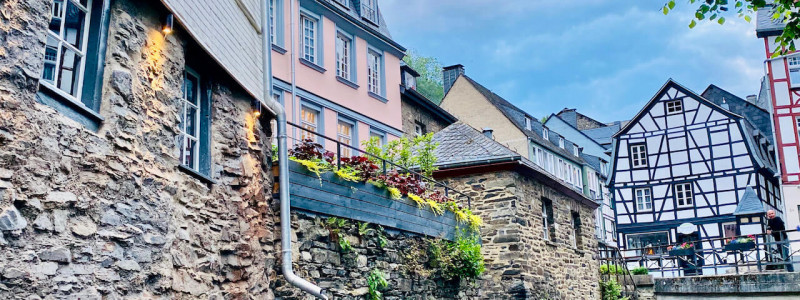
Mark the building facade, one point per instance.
(684, 161)
(780, 92)
(420, 115)
(538, 237)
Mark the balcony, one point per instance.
(332, 194)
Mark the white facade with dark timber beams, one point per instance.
(684, 159)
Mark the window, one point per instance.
(683, 194)
(545, 133)
(343, 56)
(419, 129)
(794, 70)
(369, 10)
(643, 200)
(674, 107)
(194, 125)
(73, 58)
(344, 3)
(309, 38)
(575, 238)
(638, 156)
(548, 220)
(345, 135)
(650, 243)
(309, 119)
(381, 137)
(575, 150)
(374, 70)
(528, 123)
(540, 158)
(276, 23)
(728, 231)
(561, 142)
(604, 168)
(273, 20)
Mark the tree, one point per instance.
(429, 83)
(716, 10)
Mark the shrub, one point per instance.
(612, 270)
(457, 260)
(640, 271)
(611, 290)
(376, 282)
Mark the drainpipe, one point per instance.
(283, 161)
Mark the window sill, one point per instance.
(347, 82)
(278, 49)
(379, 97)
(195, 174)
(70, 108)
(342, 6)
(368, 20)
(312, 65)
(550, 243)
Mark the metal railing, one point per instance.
(613, 260)
(386, 166)
(715, 256)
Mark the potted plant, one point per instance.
(741, 244)
(685, 249)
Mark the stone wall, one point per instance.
(413, 113)
(108, 213)
(520, 263)
(343, 274)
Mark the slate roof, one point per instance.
(763, 100)
(757, 116)
(765, 25)
(594, 163)
(571, 117)
(354, 10)
(603, 135)
(459, 143)
(517, 117)
(749, 204)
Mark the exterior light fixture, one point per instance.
(256, 108)
(167, 29)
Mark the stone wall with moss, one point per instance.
(520, 263)
(108, 213)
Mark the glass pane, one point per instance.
(189, 148)
(69, 72)
(191, 120)
(190, 89)
(56, 15)
(50, 57)
(73, 25)
(85, 3)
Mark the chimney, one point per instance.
(488, 132)
(450, 74)
(751, 98)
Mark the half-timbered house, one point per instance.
(685, 161)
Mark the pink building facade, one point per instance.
(345, 69)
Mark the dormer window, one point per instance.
(528, 123)
(369, 10)
(561, 142)
(345, 3)
(674, 107)
(575, 151)
(545, 133)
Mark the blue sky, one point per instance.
(606, 58)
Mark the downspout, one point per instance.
(283, 161)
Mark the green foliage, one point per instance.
(716, 10)
(336, 226)
(274, 153)
(408, 153)
(318, 167)
(612, 270)
(425, 157)
(429, 83)
(348, 174)
(640, 271)
(457, 260)
(382, 241)
(611, 290)
(363, 229)
(377, 283)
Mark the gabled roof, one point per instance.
(557, 117)
(750, 204)
(423, 102)
(757, 116)
(517, 117)
(461, 146)
(603, 135)
(594, 162)
(765, 25)
(571, 117)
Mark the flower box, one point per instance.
(740, 246)
(681, 252)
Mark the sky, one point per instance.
(606, 58)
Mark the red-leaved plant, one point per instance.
(366, 168)
(309, 150)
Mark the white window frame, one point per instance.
(722, 228)
(528, 123)
(640, 161)
(345, 138)
(63, 44)
(344, 60)
(374, 72)
(794, 70)
(273, 19)
(575, 151)
(369, 10)
(545, 219)
(673, 107)
(309, 42)
(345, 3)
(183, 133)
(684, 194)
(643, 200)
(575, 228)
(380, 135)
(545, 133)
(561, 142)
(313, 126)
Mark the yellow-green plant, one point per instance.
(436, 208)
(348, 174)
(317, 167)
(475, 222)
(461, 216)
(396, 195)
(421, 203)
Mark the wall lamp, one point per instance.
(168, 21)
(256, 108)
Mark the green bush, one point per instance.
(613, 270)
(640, 271)
(377, 283)
(457, 260)
(611, 290)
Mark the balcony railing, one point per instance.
(387, 166)
(715, 256)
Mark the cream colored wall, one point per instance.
(470, 106)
